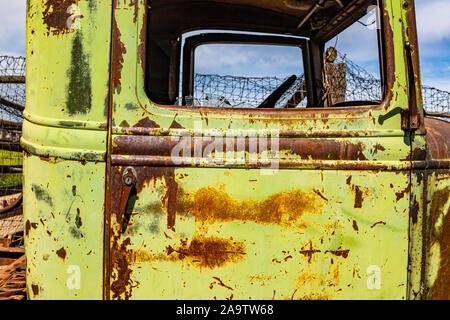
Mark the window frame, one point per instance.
(191, 43)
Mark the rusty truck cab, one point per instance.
(137, 188)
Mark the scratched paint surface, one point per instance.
(310, 235)
(63, 217)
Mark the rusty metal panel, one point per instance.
(236, 234)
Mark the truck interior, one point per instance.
(175, 29)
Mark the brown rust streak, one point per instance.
(117, 59)
(142, 37)
(222, 284)
(339, 253)
(210, 252)
(358, 197)
(35, 289)
(377, 223)
(308, 253)
(122, 283)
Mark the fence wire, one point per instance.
(12, 102)
(249, 92)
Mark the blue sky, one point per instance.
(433, 19)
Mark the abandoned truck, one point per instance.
(136, 189)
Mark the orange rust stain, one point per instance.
(212, 205)
(211, 252)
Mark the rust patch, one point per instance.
(401, 194)
(211, 252)
(142, 37)
(35, 289)
(78, 221)
(55, 16)
(146, 123)
(175, 125)
(308, 253)
(213, 205)
(339, 253)
(318, 149)
(135, 4)
(438, 143)
(122, 284)
(61, 253)
(358, 197)
(118, 52)
(355, 226)
(27, 227)
(378, 147)
(414, 210)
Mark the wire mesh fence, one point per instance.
(249, 92)
(12, 102)
(241, 92)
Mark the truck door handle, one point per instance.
(414, 120)
(128, 183)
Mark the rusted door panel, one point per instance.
(298, 234)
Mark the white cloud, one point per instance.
(248, 60)
(433, 20)
(12, 27)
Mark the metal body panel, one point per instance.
(63, 217)
(233, 233)
(345, 154)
